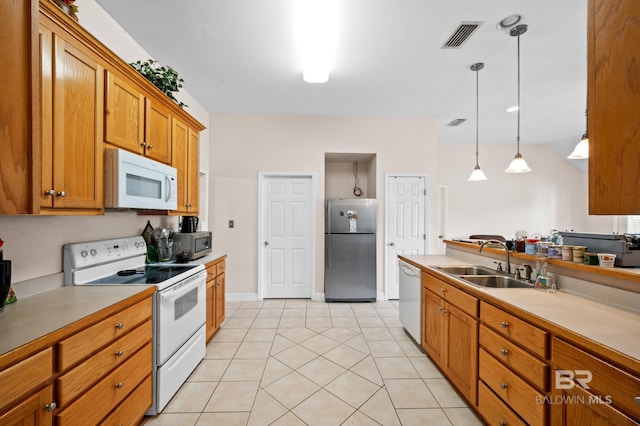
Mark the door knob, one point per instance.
(392, 244)
(266, 243)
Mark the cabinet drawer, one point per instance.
(211, 272)
(606, 380)
(87, 341)
(220, 268)
(494, 410)
(77, 380)
(519, 331)
(25, 377)
(131, 411)
(517, 359)
(455, 296)
(523, 398)
(95, 404)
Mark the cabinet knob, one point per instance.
(189, 205)
(504, 352)
(62, 194)
(119, 354)
(443, 290)
(504, 324)
(149, 146)
(51, 192)
(142, 144)
(503, 385)
(50, 407)
(119, 385)
(501, 423)
(119, 326)
(637, 399)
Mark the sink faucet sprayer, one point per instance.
(506, 249)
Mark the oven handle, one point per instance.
(183, 287)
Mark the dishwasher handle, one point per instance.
(408, 270)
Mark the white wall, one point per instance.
(34, 243)
(553, 196)
(243, 145)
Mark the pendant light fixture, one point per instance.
(477, 174)
(518, 165)
(581, 151)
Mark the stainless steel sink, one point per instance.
(496, 281)
(467, 270)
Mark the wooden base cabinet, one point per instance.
(215, 295)
(451, 333)
(607, 396)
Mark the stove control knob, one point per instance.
(94, 252)
(84, 253)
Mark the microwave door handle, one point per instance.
(168, 183)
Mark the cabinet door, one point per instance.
(75, 177)
(179, 155)
(211, 307)
(219, 300)
(124, 115)
(434, 326)
(613, 104)
(582, 408)
(157, 134)
(461, 353)
(193, 167)
(31, 411)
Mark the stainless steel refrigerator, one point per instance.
(350, 250)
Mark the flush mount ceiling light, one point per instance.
(477, 174)
(508, 22)
(518, 165)
(316, 31)
(581, 151)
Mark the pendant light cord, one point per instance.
(518, 138)
(477, 113)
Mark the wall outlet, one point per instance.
(231, 224)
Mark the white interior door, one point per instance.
(286, 243)
(406, 224)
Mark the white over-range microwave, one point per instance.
(136, 182)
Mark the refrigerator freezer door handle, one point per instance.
(327, 253)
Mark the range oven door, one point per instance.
(181, 311)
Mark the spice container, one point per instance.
(606, 260)
(531, 246)
(578, 253)
(555, 252)
(567, 253)
(590, 258)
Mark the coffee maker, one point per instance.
(189, 224)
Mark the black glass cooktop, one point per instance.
(149, 274)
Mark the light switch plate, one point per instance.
(231, 224)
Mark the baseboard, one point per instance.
(318, 297)
(241, 297)
(381, 296)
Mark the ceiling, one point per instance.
(239, 56)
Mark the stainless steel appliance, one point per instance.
(179, 306)
(191, 245)
(350, 250)
(410, 298)
(626, 247)
(132, 181)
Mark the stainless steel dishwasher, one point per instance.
(410, 297)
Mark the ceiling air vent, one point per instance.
(461, 35)
(456, 122)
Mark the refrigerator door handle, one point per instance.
(327, 253)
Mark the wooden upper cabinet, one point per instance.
(613, 105)
(124, 115)
(72, 88)
(136, 122)
(184, 157)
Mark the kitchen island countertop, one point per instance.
(577, 319)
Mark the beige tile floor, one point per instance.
(298, 362)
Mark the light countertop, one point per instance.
(36, 316)
(566, 315)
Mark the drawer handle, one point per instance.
(637, 399)
(50, 407)
(443, 290)
(119, 354)
(503, 385)
(504, 324)
(120, 326)
(119, 385)
(504, 352)
(501, 423)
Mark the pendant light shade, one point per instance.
(518, 165)
(477, 174)
(581, 151)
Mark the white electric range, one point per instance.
(179, 306)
